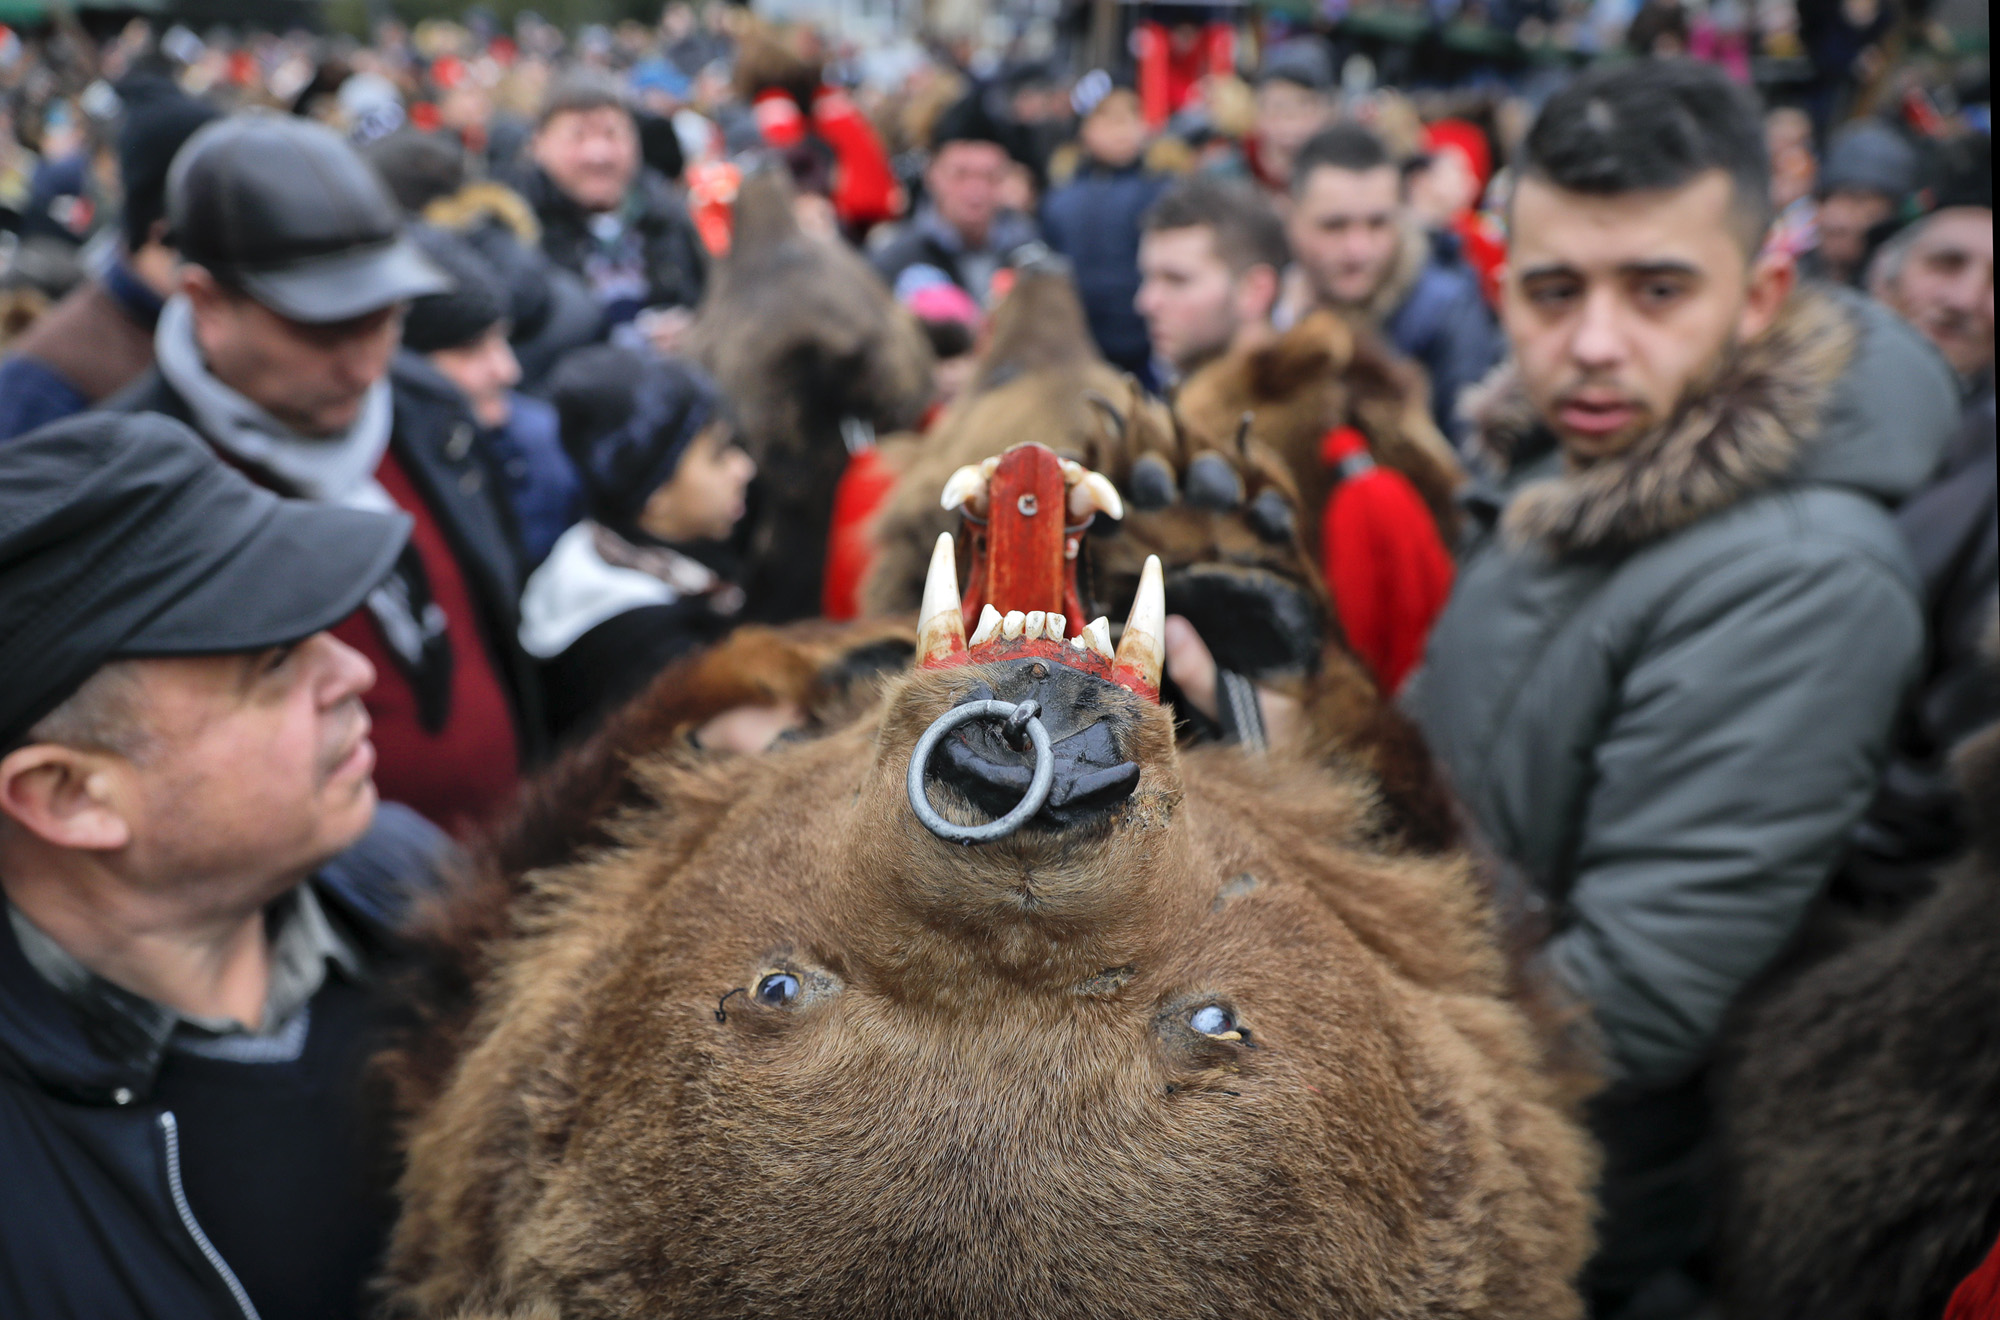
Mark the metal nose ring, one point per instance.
(1014, 717)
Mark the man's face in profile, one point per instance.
(252, 767)
(1617, 306)
(1187, 296)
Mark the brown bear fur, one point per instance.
(568, 810)
(989, 1099)
(1041, 379)
(776, 56)
(1862, 1107)
(1318, 375)
(802, 337)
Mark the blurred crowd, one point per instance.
(1210, 184)
(857, 115)
(453, 274)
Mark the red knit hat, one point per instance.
(1467, 140)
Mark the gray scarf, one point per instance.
(336, 469)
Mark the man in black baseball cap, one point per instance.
(197, 882)
(285, 210)
(281, 351)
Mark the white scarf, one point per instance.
(338, 469)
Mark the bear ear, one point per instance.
(1315, 348)
(763, 216)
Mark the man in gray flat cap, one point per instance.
(281, 351)
(197, 882)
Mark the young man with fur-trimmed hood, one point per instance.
(1665, 680)
(1359, 250)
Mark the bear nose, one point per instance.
(1091, 775)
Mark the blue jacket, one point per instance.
(93, 343)
(1443, 322)
(542, 486)
(1094, 221)
(32, 394)
(95, 1222)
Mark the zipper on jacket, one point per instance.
(170, 1127)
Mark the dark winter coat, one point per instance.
(675, 262)
(1917, 821)
(603, 630)
(435, 439)
(1862, 1109)
(926, 240)
(95, 1222)
(1432, 311)
(1663, 686)
(1094, 221)
(542, 486)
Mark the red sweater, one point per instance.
(462, 773)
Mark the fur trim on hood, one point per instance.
(476, 203)
(1744, 431)
(1413, 254)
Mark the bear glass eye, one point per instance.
(1215, 1021)
(777, 989)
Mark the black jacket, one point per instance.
(1917, 822)
(676, 263)
(435, 441)
(95, 1222)
(924, 240)
(613, 662)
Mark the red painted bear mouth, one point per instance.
(1025, 514)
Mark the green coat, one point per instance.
(1664, 685)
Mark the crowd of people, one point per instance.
(349, 437)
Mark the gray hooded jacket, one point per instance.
(1664, 684)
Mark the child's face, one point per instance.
(1115, 132)
(704, 498)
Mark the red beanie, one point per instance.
(1467, 140)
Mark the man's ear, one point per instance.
(65, 796)
(200, 286)
(1256, 294)
(1772, 276)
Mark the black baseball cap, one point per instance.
(123, 535)
(286, 210)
